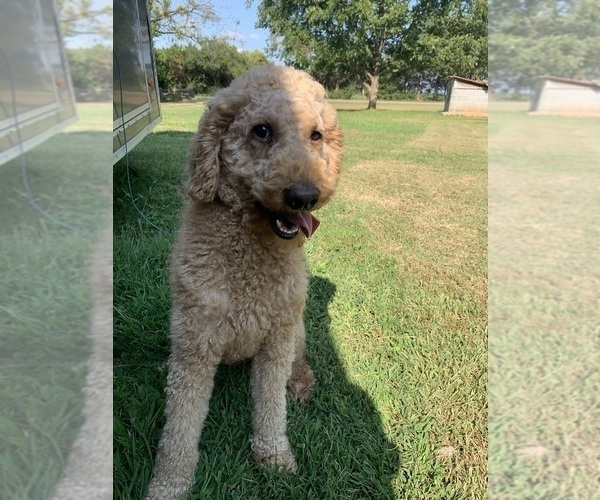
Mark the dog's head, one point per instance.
(269, 144)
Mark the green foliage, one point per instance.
(362, 33)
(543, 37)
(342, 93)
(337, 40)
(255, 58)
(91, 68)
(206, 68)
(408, 44)
(449, 37)
(395, 94)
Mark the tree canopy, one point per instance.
(363, 40)
(83, 17)
(91, 68)
(204, 68)
(449, 37)
(337, 37)
(184, 21)
(531, 38)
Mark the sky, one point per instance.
(90, 40)
(237, 25)
(245, 35)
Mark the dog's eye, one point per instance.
(263, 132)
(315, 136)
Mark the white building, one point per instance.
(564, 96)
(466, 97)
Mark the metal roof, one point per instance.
(583, 83)
(468, 80)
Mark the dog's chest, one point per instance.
(239, 292)
(267, 293)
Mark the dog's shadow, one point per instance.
(347, 427)
(338, 437)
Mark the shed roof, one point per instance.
(468, 80)
(583, 83)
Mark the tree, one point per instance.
(91, 68)
(83, 17)
(219, 63)
(255, 58)
(184, 21)
(449, 37)
(205, 68)
(531, 38)
(337, 37)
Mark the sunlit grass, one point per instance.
(396, 320)
(543, 304)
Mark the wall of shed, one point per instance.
(563, 98)
(463, 98)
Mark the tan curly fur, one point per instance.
(238, 288)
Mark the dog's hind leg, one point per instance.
(189, 387)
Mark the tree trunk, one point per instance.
(372, 89)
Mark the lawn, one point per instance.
(544, 288)
(45, 299)
(396, 320)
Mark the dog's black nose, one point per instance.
(301, 197)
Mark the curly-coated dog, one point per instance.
(267, 153)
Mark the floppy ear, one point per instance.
(334, 137)
(203, 165)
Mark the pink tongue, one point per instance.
(307, 222)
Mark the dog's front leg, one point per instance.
(302, 379)
(189, 387)
(271, 368)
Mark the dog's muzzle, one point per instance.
(288, 225)
(300, 199)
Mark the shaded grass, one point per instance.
(396, 321)
(44, 299)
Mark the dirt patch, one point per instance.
(458, 136)
(427, 219)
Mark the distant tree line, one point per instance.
(532, 38)
(204, 68)
(91, 66)
(91, 69)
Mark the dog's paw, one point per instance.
(275, 454)
(158, 492)
(284, 463)
(301, 381)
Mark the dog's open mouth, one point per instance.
(288, 225)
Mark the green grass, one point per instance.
(44, 298)
(544, 270)
(396, 320)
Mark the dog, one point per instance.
(267, 154)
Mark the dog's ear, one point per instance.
(203, 166)
(334, 138)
